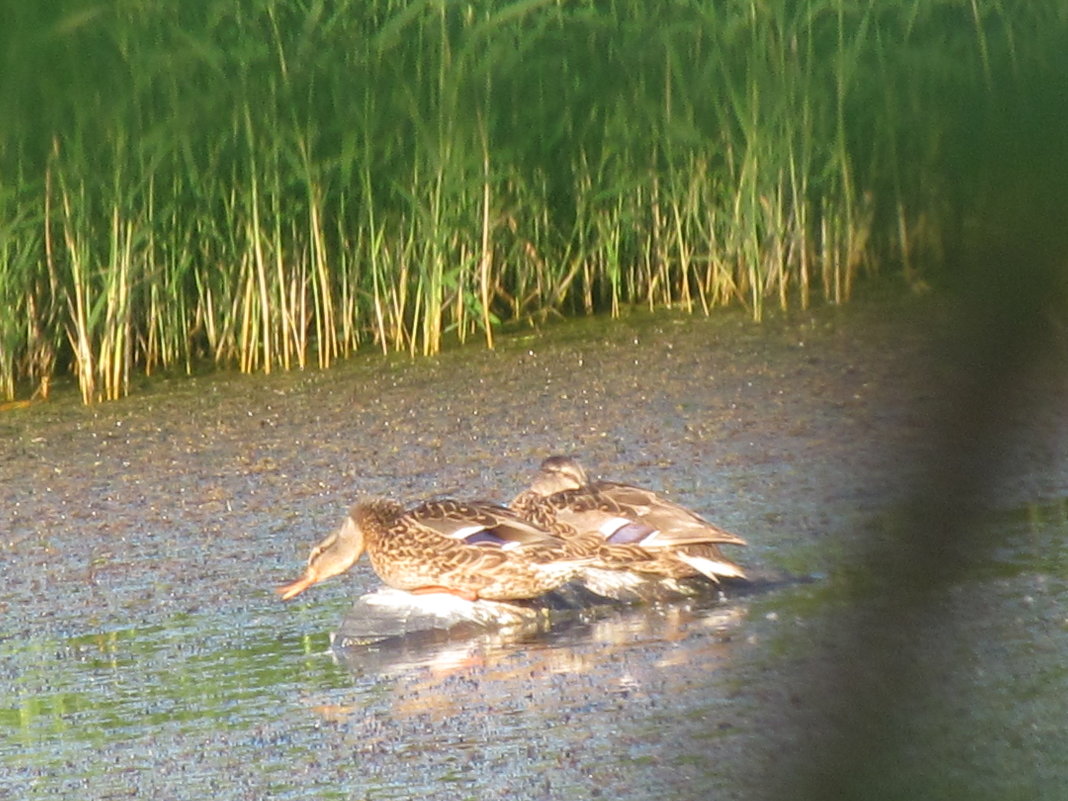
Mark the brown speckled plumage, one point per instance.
(475, 550)
(638, 529)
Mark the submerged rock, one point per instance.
(389, 630)
(389, 614)
(392, 615)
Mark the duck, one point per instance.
(473, 550)
(638, 529)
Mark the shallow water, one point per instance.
(143, 654)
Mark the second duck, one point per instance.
(639, 530)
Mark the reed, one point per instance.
(263, 184)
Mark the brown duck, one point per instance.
(640, 530)
(472, 550)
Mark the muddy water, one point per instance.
(143, 654)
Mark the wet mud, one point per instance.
(144, 653)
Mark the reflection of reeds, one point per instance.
(267, 186)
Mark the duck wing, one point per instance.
(480, 523)
(629, 515)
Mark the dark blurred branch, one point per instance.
(1009, 276)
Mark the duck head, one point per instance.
(331, 557)
(557, 474)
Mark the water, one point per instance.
(218, 703)
(143, 653)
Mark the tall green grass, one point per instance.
(269, 184)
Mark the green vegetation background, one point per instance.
(271, 183)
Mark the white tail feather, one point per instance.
(713, 568)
